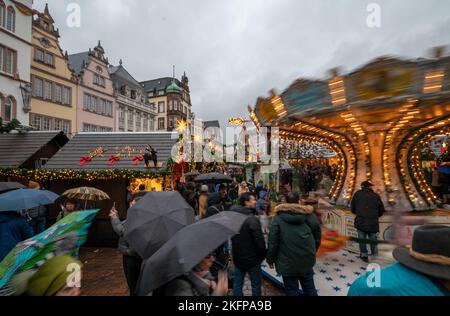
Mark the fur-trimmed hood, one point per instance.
(294, 209)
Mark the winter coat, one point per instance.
(294, 239)
(368, 208)
(123, 247)
(186, 285)
(248, 247)
(13, 229)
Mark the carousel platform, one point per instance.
(335, 272)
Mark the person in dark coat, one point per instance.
(248, 247)
(368, 208)
(294, 239)
(131, 260)
(220, 253)
(13, 229)
(219, 196)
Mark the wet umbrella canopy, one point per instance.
(213, 177)
(187, 248)
(9, 186)
(25, 199)
(154, 219)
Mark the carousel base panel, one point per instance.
(333, 273)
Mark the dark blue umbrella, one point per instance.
(444, 169)
(25, 199)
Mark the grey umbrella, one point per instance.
(25, 199)
(213, 177)
(154, 219)
(187, 248)
(9, 186)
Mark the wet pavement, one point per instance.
(103, 275)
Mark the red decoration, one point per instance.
(137, 159)
(84, 160)
(113, 159)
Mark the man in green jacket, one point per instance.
(294, 239)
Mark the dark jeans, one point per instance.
(363, 244)
(255, 279)
(132, 270)
(38, 224)
(291, 284)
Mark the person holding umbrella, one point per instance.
(131, 260)
(180, 266)
(69, 207)
(13, 229)
(198, 282)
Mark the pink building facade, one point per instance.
(95, 92)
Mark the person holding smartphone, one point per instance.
(131, 260)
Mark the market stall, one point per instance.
(111, 162)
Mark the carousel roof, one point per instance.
(104, 145)
(372, 93)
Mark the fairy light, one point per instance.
(278, 106)
(337, 91)
(433, 81)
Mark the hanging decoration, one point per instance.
(84, 160)
(137, 159)
(113, 159)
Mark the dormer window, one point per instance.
(99, 81)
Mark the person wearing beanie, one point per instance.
(52, 278)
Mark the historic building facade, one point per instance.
(54, 98)
(15, 49)
(133, 111)
(95, 92)
(172, 100)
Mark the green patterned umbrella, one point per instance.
(64, 237)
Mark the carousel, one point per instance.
(378, 122)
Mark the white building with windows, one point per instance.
(15, 58)
(134, 112)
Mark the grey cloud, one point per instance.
(235, 50)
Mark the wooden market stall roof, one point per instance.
(101, 146)
(23, 150)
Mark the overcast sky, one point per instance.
(236, 50)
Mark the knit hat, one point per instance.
(51, 277)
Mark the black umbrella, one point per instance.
(191, 174)
(187, 248)
(213, 177)
(9, 186)
(154, 219)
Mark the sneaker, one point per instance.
(365, 259)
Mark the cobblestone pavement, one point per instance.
(103, 275)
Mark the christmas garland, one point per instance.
(88, 175)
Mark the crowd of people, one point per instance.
(282, 230)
